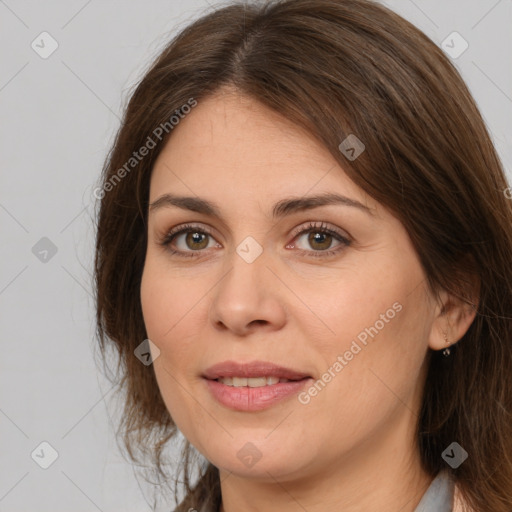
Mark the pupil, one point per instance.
(195, 238)
(317, 239)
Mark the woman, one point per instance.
(303, 262)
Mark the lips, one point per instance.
(252, 369)
(226, 383)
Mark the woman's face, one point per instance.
(259, 281)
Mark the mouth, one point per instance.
(253, 386)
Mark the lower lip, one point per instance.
(254, 399)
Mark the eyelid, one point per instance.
(189, 226)
(321, 226)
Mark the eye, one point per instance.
(194, 239)
(320, 238)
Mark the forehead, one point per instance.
(234, 148)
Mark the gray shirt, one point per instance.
(439, 496)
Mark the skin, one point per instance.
(352, 447)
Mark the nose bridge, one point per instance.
(247, 268)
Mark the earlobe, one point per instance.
(446, 351)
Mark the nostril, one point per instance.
(259, 322)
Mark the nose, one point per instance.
(249, 297)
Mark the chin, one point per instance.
(260, 461)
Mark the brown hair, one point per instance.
(338, 68)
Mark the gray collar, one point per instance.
(439, 496)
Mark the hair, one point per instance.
(336, 68)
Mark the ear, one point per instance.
(453, 317)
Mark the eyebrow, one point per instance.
(281, 208)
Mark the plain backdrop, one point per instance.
(59, 113)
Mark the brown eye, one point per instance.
(196, 240)
(319, 240)
(187, 240)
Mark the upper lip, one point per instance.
(252, 369)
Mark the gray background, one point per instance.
(58, 118)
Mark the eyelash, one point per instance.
(169, 237)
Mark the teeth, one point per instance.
(238, 382)
(253, 382)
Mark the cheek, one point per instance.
(372, 367)
(167, 316)
(343, 306)
(371, 337)
(165, 299)
(371, 392)
(171, 305)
